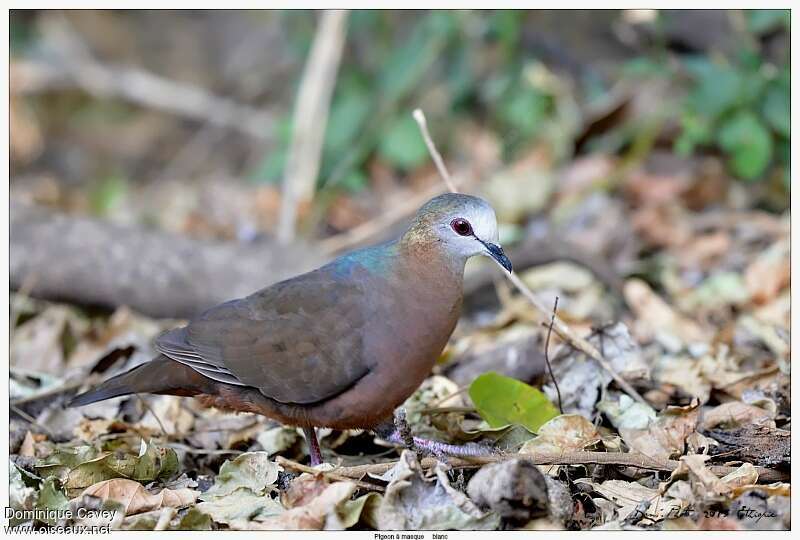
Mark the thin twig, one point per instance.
(419, 116)
(625, 459)
(51, 392)
(576, 341)
(289, 464)
(366, 231)
(547, 355)
(309, 120)
(150, 409)
(566, 333)
(30, 419)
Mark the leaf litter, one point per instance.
(700, 328)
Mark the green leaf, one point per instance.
(270, 169)
(240, 504)
(748, 143)
(402, 145)
(83, 466)
(524, 109)
(107, 194)
(411, 59)
(355, 181)
(760, 21)
(776, 109)
(718, 87)
(348, 114)
(252, 471)
(502, 400)
(195, 520)
(696, 131)
(53, 499)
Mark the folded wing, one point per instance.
(299, 341)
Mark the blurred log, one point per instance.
(91, 262)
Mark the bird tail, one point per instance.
(159, 376)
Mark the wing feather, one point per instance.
(299, 341)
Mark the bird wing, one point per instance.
(299, 341)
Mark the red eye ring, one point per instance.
(461, 226)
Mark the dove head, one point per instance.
(460, 225)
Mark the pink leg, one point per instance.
(402, 435)
(313, 446)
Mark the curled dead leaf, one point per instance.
(666, 436)
(658, 317)
(736, 414)
(564, 433)
(135, 499)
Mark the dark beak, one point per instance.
(497, 254)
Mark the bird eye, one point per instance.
(461, 226)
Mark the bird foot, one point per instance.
(402, 435)
(314, 452)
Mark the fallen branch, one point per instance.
(564, 331)
(629, 459)
(289, 464)
(93, 262)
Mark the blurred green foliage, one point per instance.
(379, 84)
(740, 105)
(479, 68)
(483, 68)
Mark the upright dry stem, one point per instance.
(566, 333)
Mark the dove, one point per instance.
(341, 346)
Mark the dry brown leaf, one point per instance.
(628, 495)
(661, 226)
(135, 499)
(778, 488)
(704, 250)
(736, 414)
(684, 373)
(169, 412)
(37, 344)
(658, 317)
(703, 481)
(769, 273)
(745, 475)
(320, 513)
(649, 189)
(303, 490)
(666, 436)
(28, 447)
(87, 430)
(564, 433)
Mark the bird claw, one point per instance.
(439, 450)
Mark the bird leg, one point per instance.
(313, 446)
(402, 435)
